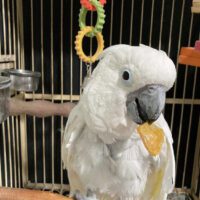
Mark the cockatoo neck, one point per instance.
(120, 135)
(119, 146)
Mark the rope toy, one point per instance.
(100, 18)
(89, 6)
(90, 31)
(79, 49)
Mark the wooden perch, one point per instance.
(7, 58)
(7, 61)
(195, 6)
(25, 194)
(39, 108)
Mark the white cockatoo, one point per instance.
(102, 150)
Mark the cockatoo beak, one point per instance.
(146, 104)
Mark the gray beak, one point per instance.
(146, 104)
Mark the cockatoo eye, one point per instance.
(127, 77)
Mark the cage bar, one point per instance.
(14, 152)
(9, 152)
(71, 49)
(18, 153)
(121, 21)
(131, 23)
(52, 93)
(4, 26)
(175, 87)
(141, 22)
(12, 46)
(5, 155)
(42, 97)
(15, 121)
(33, 69)
(161, 24)
(151, 24)
(111, 22)
(193, 93)
(170, 30)
(62, 91)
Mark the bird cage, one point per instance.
(39, 35)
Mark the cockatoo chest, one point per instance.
(118, 167)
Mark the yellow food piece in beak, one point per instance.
(152, 137)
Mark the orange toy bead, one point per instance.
(89, 6)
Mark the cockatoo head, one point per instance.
(126, 88)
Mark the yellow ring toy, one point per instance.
(79, 48)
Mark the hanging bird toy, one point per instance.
(90, 31)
